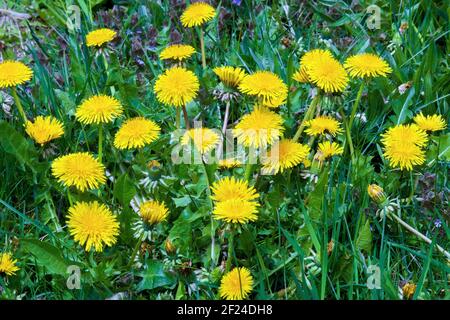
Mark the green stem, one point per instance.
(308, 115)
(105, 62)
(348, 125)
(100, 143)
(355, 105)
(202, 46)
(248, 171)
(19, 104)
(186, 119)
(135, 250)
(178, 117)
(69, 196)
(349, 137)
(225, 118)
(230, 251)
(208, 181)
(208, 195)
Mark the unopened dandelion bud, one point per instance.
(169, 246)
(330, 247)
(376, 193)
(408, 290)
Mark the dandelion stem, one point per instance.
(308, 115)
(135, 250)
(208, 182)
(248, 171)
(348, 125)
(225, 117)
(19, 104)
(208, 195)
(100, 143)
(106, 65)
(202, 46)
(186, 119)
(230, 250)
(349, 136)
(355, 105)
(420, 235)
(178, 117)
(69, 196)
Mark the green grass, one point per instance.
(286, 248)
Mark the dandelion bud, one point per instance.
(330, 247)
(169, 246)
(154, 169)
(376, 193)
(408, 290)
(153, 165)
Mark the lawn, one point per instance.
(162, 149)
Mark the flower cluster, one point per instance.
(268, 127)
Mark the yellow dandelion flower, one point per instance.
(92, 225)
(177, 52)
(44, 129)
(99, 37)
(283, 155)
(321, 125)
(408, 133)
(136, 133)
(236, 284)
(267, 86)
(434, 122)
(328, 149)
(203, 139)
(176, 87)
(236, 211)
(13, 73)
(313, 56)
(403, 146)
(98, 109)
(301, 75)
(230, 188)
(327, 74)
(230, 76)
(404, 155)
(229, 163)
(79, 169)
(197, 14)
(366, 65)
(8, 265)
(153, 212)
(259, 128)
